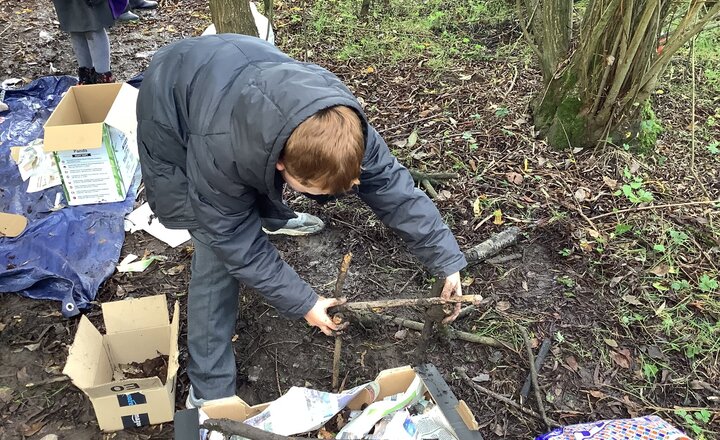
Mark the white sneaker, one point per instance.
(193, 402)
(303, 224)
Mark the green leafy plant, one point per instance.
(707, 283)
(650, 371)
(714, 147)
(634, 190)
(501, 112)
(694, 420)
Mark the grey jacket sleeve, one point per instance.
(388, 188)
(227, 212)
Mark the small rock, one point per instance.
(482, 377)
(50, 437)
(45, 37)
(401, 334)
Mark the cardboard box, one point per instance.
(93, 135)
(136, 330)
(392, 381)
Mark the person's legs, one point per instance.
(99, 45)
(211, 316)
(86, 74)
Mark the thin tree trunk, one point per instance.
(233, 16)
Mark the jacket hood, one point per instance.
(275, 98)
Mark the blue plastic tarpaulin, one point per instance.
(63, 255)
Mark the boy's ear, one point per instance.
(280, 166)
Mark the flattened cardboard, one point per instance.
(138, 329)
(12, 225)
(92, 134)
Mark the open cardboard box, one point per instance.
(136, 330)
(93, 135)
(392, 381)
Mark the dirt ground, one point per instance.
(580, 382)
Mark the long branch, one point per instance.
(408, 302)
(232, 427)
(367, 318)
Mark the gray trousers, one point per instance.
(92, 49)
(211, 316)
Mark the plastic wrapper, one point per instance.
(640, 428)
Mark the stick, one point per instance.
(642, 208)
(534, 377)
(409, 302)
(429, 188)
(432, 177)
(338, 339)
(542, 354)
(47, 381)
(367, 318)
(493, 245)
(463, 375)
(232, 427)
(433, 315)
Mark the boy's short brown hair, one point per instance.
(326, 150)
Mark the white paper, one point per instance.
(37, 167)
(143, 218)
(361, 425)
(302, 409)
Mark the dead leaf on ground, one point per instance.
(581, 195)
(611, 342)
(611, 183)
(621, 357)
(5, 394)
(660, 270)
(412, 139)
(23, 376)
(597, 394)
(498, 219)
(325, 434)
(572, 363)
(631, 299)
(502, 306)
(482, 377)
(30, 430)
(2, 326)
(32, 347)
(514, 177)
(443, 195)
(176, 269)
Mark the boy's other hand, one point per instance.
(453, 286)
(318, 317)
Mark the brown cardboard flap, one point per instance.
(87, 363)
(467, 416)
(12, 225)
(173, 364)
(94, 101)
(233, 408)
(122, 113)
(66, 113)
(73, 137)
(138, 345)
(136, 313)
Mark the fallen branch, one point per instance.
(338, 339)
(463, 375)
(534, 378)
(55, 379)
(493, 245)
(367, 318)
(231, 427)
(408, 302)
(668, 205)
(433, 315)
(419, 176)
(542, 354)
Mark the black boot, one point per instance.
(86, 75)
(103, 78)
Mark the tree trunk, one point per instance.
(600, 89)
(233, 16)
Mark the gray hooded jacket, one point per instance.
(214, 114)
